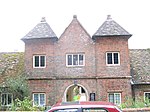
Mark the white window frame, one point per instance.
(39, 99)
(145, 95)
(113, 59)
(114, 98)
(39, 61)
(78, 60)
(7, 99)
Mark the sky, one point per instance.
(18, 17)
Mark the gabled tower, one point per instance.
(112, 52)
(39, 50)
(112, 60)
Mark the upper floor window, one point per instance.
(112, 58)
(6, 99)
(39, 99)
(75, 59)
(115, 98)
(39, 61)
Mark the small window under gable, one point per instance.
(112, 58)
(75, 59)
(39, 61)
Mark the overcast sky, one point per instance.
(18, 17)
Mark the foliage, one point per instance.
(25, 105)
(18, 86)
(138, 103)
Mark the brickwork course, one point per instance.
(57, 79)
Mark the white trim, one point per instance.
(114, 97)
(39, 99)
(78, 59)
(113, 59)
(64, 99)
(145, 93)
(7, 99)
(39, 61)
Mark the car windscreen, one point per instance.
(94, 110)
(66, 110)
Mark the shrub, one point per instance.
(25, 105)
(138, 103)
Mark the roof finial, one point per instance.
(43, 19)
(75, 16)
(109, 17)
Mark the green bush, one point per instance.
(25, 105)
(137, 103)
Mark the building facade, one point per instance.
(76, 66)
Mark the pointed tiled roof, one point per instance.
(111, 28)
(41, 30)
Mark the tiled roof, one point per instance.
(140, 65)
(8, 64)
(110, 28)
(41, 30)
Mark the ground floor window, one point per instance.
(6, 99)
(147, 95)
(39, 99)
(115, 98)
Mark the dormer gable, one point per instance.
(75, 32)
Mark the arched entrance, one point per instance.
(75, 92)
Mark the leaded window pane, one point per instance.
(69, 59)
(109, 58)
(75, 59)
(116, 61)
(36, 61)
(42, 61)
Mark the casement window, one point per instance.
(112, 58)
(6, 99)
(115, 98)
(39, 61)
(147, 96)
(75, 59)
(39, 99)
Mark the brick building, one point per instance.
(76, 66)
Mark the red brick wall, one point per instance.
(39, 47)
(75, 40)
(112, 44)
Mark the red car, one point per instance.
(85, 106)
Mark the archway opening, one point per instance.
(76, 93)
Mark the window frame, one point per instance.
(39, 99)
(113, 59)
(72, 65)
(7, 99)
(39, 61)
(145, 95)
(114, 97)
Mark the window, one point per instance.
(67, 110)
(6, 99)
(147, 96)
(112, 58)
(75, 59)
(115, 98)
(39, 61)
(94, 110)
(39, 99)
